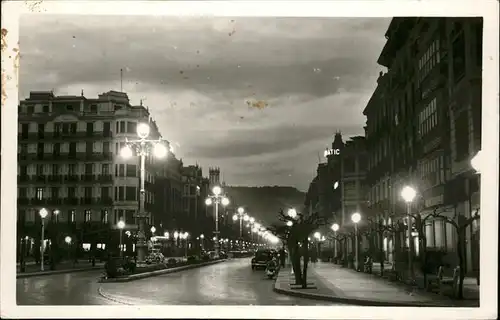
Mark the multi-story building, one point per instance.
(432, 64)
(69, 163)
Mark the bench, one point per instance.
(444, 278)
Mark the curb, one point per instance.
(107, 296)
(48, 273)
(355, 301)
(158, 272)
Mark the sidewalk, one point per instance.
(366, 289)
(33, 270)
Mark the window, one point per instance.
(23, 193)
(122, 127)
(39, 193)
(24, 130)
(90, 128)
(72, 128)
(106, 147)
(89, 147)
(72, 150)
(131, 170)
(65, 128)
(41, 131)
(69, 107)
(31, 109)
(23, 170)
(459, 57)
(72, 169)
(39, 169)
(106, 128)
(427, 118)
(121, 195)
(105, 193)
(88, 192)
(88, 216)
(40, 150)
(105, 169)
(57, 130)
(57, 150)
(429, 60)
(131, 127)
(55, 169)
(93, 108)
(89, 168)
(130, 193)
(104, 216)
(71, 192)
(71, 216)
(45, 109)
(121, 170)
(54, 192)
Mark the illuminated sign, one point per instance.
(329, 152)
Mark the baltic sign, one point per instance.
(329, 152)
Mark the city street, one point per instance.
(228, 283)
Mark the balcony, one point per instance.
(56, 178)
(87, 177)
(72, 178)
(41, 178)
(23, 201)
(23, 178)
(105, 178)
(38, 202)
(87, 201)
(71, 201)
(55, 201)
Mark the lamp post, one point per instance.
(356, 217)
(202, 237)
(176, 236)
(143, 148)
(317, 236)
(185, 236)
(242, 216)
(121, 225)
(335, 228)
(217, 198)
(408, 194)
(67, 239)
(43, 214)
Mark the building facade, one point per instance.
(69, 163)
(423, 123)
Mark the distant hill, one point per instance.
(264, 203)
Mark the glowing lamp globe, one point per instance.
(245, 218)
(252, 220)
(292, 213)
(153, 229)
(208, 201)
(160, 151)
(408, 194)
(217, 190)
(317, 235)
(166, 234)
(235, 217)
(225, 201)
(176, 234)
(143, 130)
(67, 239)
(126, 152)
(335, 227)
(356, 217)
(241, 210)
(43, 213)
(289, 223)
(120, 224)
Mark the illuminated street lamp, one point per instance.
(121, 225)
(216, 198)
(43, 214)
(240, 215)
(289, 223)
(143, 148)
(408, 194)
(292, 213)
(356, 218)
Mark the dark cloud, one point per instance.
(197, 75)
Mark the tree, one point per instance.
(298, 233)
(460, 223)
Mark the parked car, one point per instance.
(261, 258)
(223, 255)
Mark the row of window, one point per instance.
(428, 118)
(58, 149)
(432, 171)
(61, 169)
(121, 193)
(59, 129)
(429, 60)
(70, 216)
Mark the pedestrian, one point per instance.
(282, 257)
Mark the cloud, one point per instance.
(196, 74)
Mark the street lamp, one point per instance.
(356, 217)
(67, 239)
(292, 213)
(185, 236)
(408, 194)
(143, 147)
(217, 198)
(289, 223)
(121, 225)
(166, 235)
(317, 236)
(241, 215)
(43, 214)
(335, 227)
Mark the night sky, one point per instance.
(258, 97)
